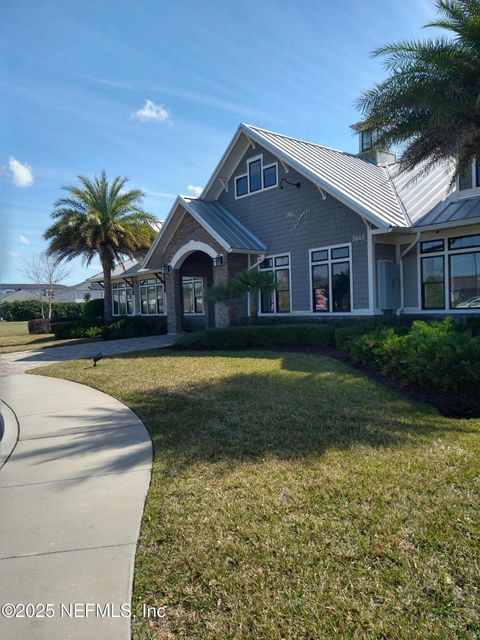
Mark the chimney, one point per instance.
(370, 152)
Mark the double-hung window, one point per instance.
(331, 273)
(192, 296)
(152, 296)
(122, 295)
(277, 301)
(259, 177)
(454, 262)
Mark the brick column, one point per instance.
(174, 307)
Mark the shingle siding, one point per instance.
(410, 277)
(271, 215)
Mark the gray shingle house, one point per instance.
(343, 234)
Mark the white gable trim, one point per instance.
(188, 248)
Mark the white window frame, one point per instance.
(329, 262)
(159, 283)
(272, 269)
(127, 286)
(446, 253)
(194, 279)
(247, 175)
(475, 189)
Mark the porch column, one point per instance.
(174, 306)
(220, 275)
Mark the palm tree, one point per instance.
(99, 219)
(254, 283)
(430, 103)
(227, 294)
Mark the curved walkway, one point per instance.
(20, 361)
(71, 501)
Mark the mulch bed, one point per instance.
(449, 404)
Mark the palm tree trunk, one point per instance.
(107, 294)
(254, 300)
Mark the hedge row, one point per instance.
(438, 355)
(121, 328)
(300, 335)
(18, 310)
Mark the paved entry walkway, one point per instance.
(20, 361)
(71, 500)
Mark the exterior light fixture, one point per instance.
(166, 268)
(218, 261)
(294, 184)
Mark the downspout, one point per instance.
(400, 309)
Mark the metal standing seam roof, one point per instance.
(451, 210)
(229, 232)
(361, 182)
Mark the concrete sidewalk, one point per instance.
(20, 361)
(71, 500)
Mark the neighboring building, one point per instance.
(343, 234)
(61, 293)
(27, 291)
(77, 292)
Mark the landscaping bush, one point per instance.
(93, 309)
(18, 310)
(134, 327)
(244, 337)
(76, 329)
(434, 355)
(345, 336)
(39, 325)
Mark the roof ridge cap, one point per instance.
(386, 168)
(284, 135)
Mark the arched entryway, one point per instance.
(196, 276)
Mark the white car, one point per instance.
(468, 304)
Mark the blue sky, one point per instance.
(75, 78)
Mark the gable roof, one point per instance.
(378, 193)
(229, 232)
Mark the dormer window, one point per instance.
(366, 140)
(259, 177)
(470, 179)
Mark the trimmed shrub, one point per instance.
(30, 309)
(134, 327)
(93, 309)
(39, 325)
(76, 329)
(432, 355)
(245, 337)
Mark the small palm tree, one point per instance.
(227, 294)
(254, 283)
(99, 219)
(430, 102)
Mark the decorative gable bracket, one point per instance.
(322, 193)
(224, 183)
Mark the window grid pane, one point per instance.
(433, 283)
(283, 290)
(320, 288)
(341, 286)
(430, 246)
(464, 242)
(241, 186)
(269, 176)
(255, 175)
(340, 252)
(465, 280)
(320, 256)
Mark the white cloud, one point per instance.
(21, 173)
(151, 111)
(13, 254)
(196, 191)
(23, 239)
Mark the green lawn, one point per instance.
(293, 498)
(14, 336)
